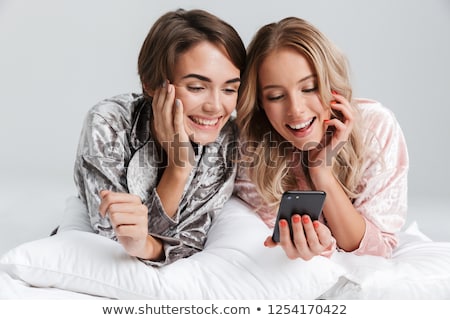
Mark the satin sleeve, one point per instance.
(191, 232)
(383, 199)
(100, 165)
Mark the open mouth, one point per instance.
(205, 122)
(301, 126)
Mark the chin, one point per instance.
(204, 139)
(307, 146)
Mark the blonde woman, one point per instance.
(302, 130)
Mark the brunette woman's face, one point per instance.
(207, 82)
(290, 99)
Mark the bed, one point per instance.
(78, 264)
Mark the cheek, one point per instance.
(189, 101)
(230, 103)
(322, 109)
(326, 114)
(274, 116)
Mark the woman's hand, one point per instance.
(334, 139)
(129, 218)
(171, 133)
(169, 127)
(310, 238)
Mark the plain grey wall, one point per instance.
(58, 58)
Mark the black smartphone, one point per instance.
(298, 202)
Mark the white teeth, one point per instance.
(205, 122)
(301, 125)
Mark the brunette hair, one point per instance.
(176, 32)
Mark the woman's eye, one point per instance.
(230, 90)
(275, 97)
(195, 88)
(312, 89)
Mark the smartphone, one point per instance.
(298, 202)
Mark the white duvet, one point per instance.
(78, 264)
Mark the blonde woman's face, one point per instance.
(207, 83)
(290, 98)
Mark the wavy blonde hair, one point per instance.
(266, 153)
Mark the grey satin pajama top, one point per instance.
(117, 152)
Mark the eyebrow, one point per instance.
(206, 79)
(271, 86)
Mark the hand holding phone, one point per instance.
(298, 202)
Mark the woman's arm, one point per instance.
(100, 163)
(368, 225)
(171, 134)
(383, 200)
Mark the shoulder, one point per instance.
(376, 117)
(379, 124)
(117, 111)
(374, 110)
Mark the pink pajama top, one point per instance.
(382, 200)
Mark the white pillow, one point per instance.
(233, 265)
(419, 269)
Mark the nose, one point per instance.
(296, 104)
(213, 103)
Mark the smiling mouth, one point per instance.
(205, 122)
(301, 126)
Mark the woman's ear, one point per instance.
(147, 90)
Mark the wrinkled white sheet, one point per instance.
(77, 264)
(17, 289)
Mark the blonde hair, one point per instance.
(261, 142)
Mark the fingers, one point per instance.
(297, 245)
(342, 127)
(109, 197)
(323, 234)
(342, 105)
(163, 98)
(163, 111)
(178, 121)
(126, 213)
(299, 236)
(285, 240)
(128, 216)
(309, 238)
(130, 231)
(269, 242)
(314, 244)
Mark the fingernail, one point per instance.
(177, 103)
(283, 223)
(333, 92)
(305, 219)
(316, 224)
(163, 85)
(333, 103)
(296, 219)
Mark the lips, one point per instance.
(301, 126)
(207, 122)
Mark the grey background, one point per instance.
(58, 58)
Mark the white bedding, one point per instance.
(78, 264)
